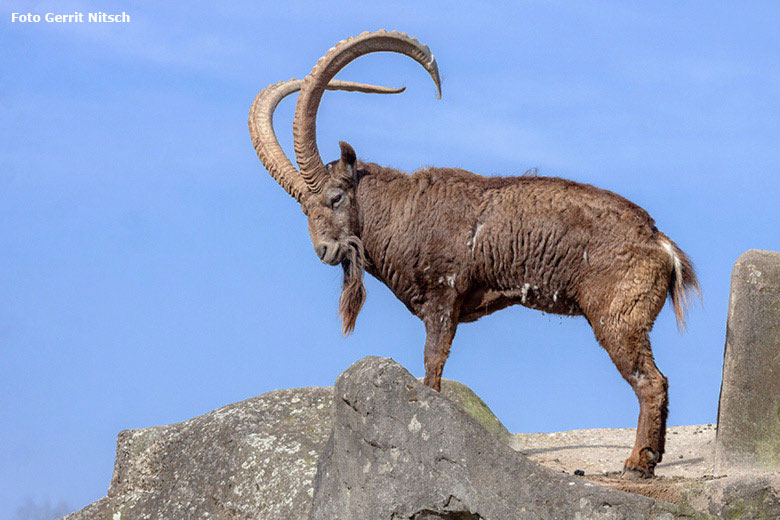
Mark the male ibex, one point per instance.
(454, 246)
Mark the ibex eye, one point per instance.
(336, 199)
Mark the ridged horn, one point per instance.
(261, 129)
(304, 125)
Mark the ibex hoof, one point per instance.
(636, 474)
(631, 470)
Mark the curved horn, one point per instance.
(304, 125)
(261, 129)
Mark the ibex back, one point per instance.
(454, 246)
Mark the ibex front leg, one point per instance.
(441, 321)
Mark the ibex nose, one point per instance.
(321, 251)
(328, 252)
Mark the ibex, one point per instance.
(454, 246)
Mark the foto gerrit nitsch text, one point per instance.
(74, 17)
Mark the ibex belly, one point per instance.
(538, 267)
(482, 302)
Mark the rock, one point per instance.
(469, 402)
(400, 451)
(744, 497)
(749, 413)
(257, 459)
(253, 459)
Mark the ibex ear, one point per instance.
(348, 159)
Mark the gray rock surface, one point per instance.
(399, 451)
(744, 497)
(257, 459)
(749, 414)
(473, 405)
(253, 459)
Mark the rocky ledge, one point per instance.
(387, 447)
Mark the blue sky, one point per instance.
(151, 270)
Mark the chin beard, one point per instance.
(353, 293)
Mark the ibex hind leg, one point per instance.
(637, 366)
(624, 335)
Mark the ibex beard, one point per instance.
(353, 292)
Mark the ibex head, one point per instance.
(333, 218)
(334, 231)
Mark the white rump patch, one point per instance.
(673, 257)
